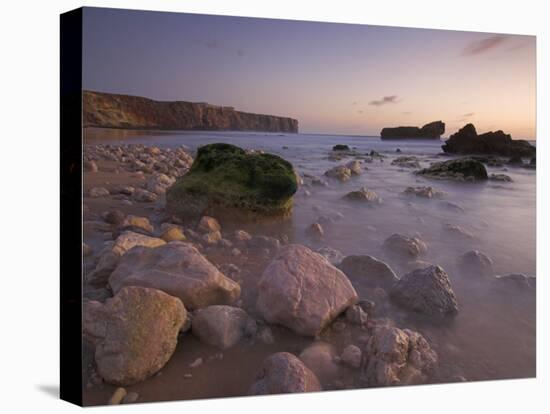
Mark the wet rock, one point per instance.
(107, 263)
(463, 169)
(355, 167)
(265, 334)
(315, 231)
(117, 397)
(475, 263)
(432, 130)
(145, 196)
(130, 398)
(208, 225)
(97, 192)
(517, 280)
(332, 255)
(406, 162)
(424, 191)
(241, 237)
(134, 333)
(158, 183)
(137, 222)
(90, 166)
(365, 195)
(400, 245)
(301, 290)
(351, 356)
(341, 173)
(212, 238)
(283, 373)
(452, 207)
(173, 233)
(176, 268)
(368, 270)
(427, 291)
(500, 177)
(114, 217)
(457, 231)
(396, 356)
(320, 358)
(340, 147)
(264, 242)
(130, 239)
(196, 363)
(220, 326)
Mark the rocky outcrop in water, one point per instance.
(463, 169)
(433, 130)
(107, 110)
(467, 141)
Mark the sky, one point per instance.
(333, 78)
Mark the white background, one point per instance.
(29, 159)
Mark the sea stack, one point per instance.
(433, 130)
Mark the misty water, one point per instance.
(493, 335)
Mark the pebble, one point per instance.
(196, 363)
(117, 396)
(130, 398)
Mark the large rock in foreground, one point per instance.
(178, 269)
(398, 357)
(135, 333)
(433, 130)
(426, 291)
(463, 169)
(301, 290)
(283, 373)
(225, 179)
(467, 141)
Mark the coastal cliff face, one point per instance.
(433, 130)
(107, 110)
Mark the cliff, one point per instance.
(108, 110)
(433, 130)
(467, 141)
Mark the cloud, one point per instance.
(464, 117)
(479, 47)
(392, 99)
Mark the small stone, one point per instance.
(196, 363)
(98, 192)
(86, 250)
(117, 396)
(187, 376)
(130, 398)
(352, 356)
(90, 166)
(212, 238)
(315, 231)
(208, 225)
(173, 233)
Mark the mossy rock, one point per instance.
(226, 179)
(463, 169)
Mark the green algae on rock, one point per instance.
(463, 169)
(225, 178)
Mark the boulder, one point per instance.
(363, 269)
(403, 246)
(135, 333)
(406, 162)
(427, 291)
(363, 195)
(433, 130)
(283, 373)
(130, 239)
(467, 141)
(143, 195)
(397, 357)
(173, 233)
(301, 290)
(340, 147)
(178, 269)
(355, 167)
(340, 172)
(225, 178)
(208, 224)
(220, 326)
(462, 169)
(137, 222)
(517, 280)
(475, 263)
(351, 356)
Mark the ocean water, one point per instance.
(493, 336)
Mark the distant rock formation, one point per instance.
(108, 110)
(467, 141)
(433, 130)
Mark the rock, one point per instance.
(265, 335)
(178, 269)
(453, 207)
(351, 356)
(406, 162)
(355, 167)
(114, 217)
(130, 239)
(130, 398)
(208, 224)
(340, 147)
(462, 169)
(86, 250)
(158, 183)
(423, 191)
(135, 333)
(500, 177)
(90, 166)
(433, 130)
(173, 233)
(365, 195)
(264, 242)
(456, 230)
(137, 222)
(241, 237)
(212, 238)
(517, 280)
(396, 356)
(475, 263)
(356, 315)
(467, 141)
(404, 246)
(283, 373)
(145, 196)
(332, 255)
(315, 231)
(107, 263)
(226, 179)
(220, 326)
(341, 172)
(196, 363)
(427, 291)
(320, 358)
(301, 290)
(363, 269)
(117, 397)
(96, 192)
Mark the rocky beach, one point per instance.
(222, 264)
